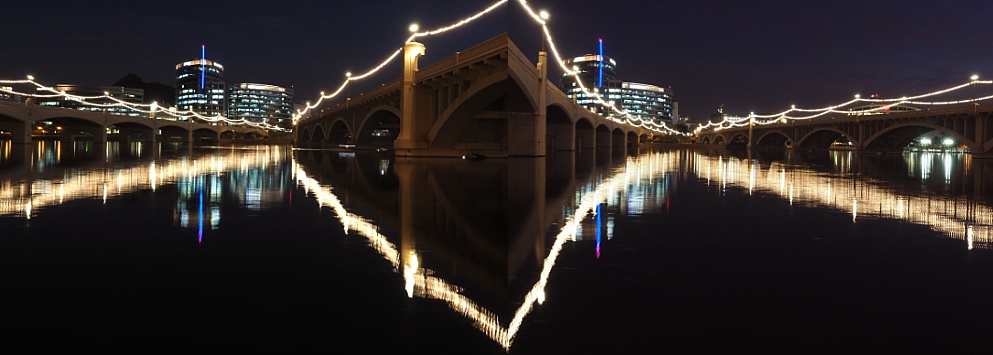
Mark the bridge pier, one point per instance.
(413, 123)
(526, 133)
(20, 132)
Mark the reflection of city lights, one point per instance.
(424, 283)
(99, 183)
(865, 198)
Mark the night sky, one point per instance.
(751, 56)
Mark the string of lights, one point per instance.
(621, 115)
(626, 117)
(882, 105)
(150, 109)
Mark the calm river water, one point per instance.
(130, 248)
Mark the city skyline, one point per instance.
(749, 57)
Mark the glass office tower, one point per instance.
(261, 103)
(200, 88)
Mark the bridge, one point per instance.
(488, 100)
(970, 125)
(20, 119)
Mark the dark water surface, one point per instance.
(127, 248)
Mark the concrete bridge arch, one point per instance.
(774, 138)
(379, 127)
(822, 137)
(894, 138)
(470, 122)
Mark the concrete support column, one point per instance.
(20, 132)
(980, 131)
(413, 129)
(524, 136)
(155, 129)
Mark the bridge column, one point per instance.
(20, 131)
(526, 135)
(979, 136)
(414, 125)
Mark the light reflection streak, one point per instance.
(638, 172)
(958, 218)
(21, 198)
(422, 284)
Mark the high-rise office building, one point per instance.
(597, 73)
(261, 103)
(647, 102)
(113, 99)
(200, 87)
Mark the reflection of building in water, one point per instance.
(200, 182)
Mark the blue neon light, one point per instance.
(200, 222)
(598, 232)
(600, 80)
(203, 65)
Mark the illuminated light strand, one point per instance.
(137, 107)
(628, 118)
(151, 108)
(300, 113)
(457, 24)
(729, 122)
(415, 283)
(663, 128)
(865, 197)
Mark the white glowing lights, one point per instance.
(151, 109)
(880, 106)
(541, 18)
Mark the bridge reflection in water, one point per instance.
(483, 237)
(957, 206)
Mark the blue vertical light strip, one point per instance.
(598, 231)
(200, 227)
(203, 65)
(600, 80)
